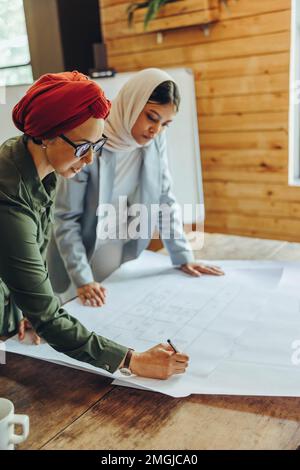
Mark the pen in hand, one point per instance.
(172, 346)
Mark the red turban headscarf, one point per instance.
(59, 102)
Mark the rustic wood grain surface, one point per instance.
(70, 409)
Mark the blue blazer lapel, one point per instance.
(150, 188)
(107, 167)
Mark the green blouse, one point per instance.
(26, 205)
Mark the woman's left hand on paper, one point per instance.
(197, 270)
(92, 294)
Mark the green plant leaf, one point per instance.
(153, 9)
(132, 8)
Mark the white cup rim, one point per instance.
(8, 410)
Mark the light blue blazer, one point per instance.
(75, 218)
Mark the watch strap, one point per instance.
(128, 358)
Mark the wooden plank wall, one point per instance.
(242, 83)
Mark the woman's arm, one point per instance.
(23, 270)
(67, 233)
(178, 248)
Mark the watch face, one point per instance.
(126, 372)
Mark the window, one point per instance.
(15, 68)
(294, 124)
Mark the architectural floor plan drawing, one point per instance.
(240, 330)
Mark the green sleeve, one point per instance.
(23, 271)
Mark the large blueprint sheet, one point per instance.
(240, 330)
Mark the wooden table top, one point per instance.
(70, 409)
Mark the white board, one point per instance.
(183, 136)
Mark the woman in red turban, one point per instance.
(57, 111)
(62, 120)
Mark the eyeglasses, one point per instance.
(82, 149)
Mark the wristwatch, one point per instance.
(125, 370)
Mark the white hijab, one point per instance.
(128, 105)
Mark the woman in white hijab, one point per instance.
(133, 168)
